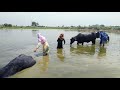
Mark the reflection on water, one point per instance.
(44, 63)
(34, 32)
(102, 51)
(83, 49)
(60, 54)
(90, 50)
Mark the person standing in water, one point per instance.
(103, 38)
(60, 41)
(42, 40)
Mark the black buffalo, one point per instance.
(81, 38)
(19, 63)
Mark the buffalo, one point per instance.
(81, 38)
(17, 64)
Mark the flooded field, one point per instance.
(85, 61)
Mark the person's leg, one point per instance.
(46, 50)
(103, 44)
(104, 41)
(100, 42)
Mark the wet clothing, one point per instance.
(60, 43)
(42, 40)
(45, 48)
(103, 37)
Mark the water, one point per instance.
(72, 62)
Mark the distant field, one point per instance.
(32, 28)
(54, 28)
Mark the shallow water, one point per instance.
(72, 62)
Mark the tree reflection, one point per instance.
(34, 32)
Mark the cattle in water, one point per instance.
(104, 37)
(19, 63)
(81, 38)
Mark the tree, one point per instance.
(7, 25)
(79, 27)
(102, 25)
(35, 24)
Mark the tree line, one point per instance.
(95, 27)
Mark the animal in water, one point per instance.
(17, 64)
(81, 38)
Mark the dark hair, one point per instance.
(61, 36)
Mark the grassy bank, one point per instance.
(22, 27)
(53, 28)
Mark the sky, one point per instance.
(60, 18)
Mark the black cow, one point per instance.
(19, 63)
(81, 38)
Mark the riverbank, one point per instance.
(29, 27)
(54, 28)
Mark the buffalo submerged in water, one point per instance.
(19, 63)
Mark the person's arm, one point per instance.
(64, 41)
(57, 39)
(37, 47)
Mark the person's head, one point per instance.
(38, 35)
(41, 38)
(61, 35)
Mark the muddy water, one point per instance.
(71, 62)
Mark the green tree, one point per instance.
(7, 25)
(35, 24)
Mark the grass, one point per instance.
(24, 27)
(51, 28)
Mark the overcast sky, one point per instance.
(60, 18)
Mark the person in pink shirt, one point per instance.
(42, 40)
